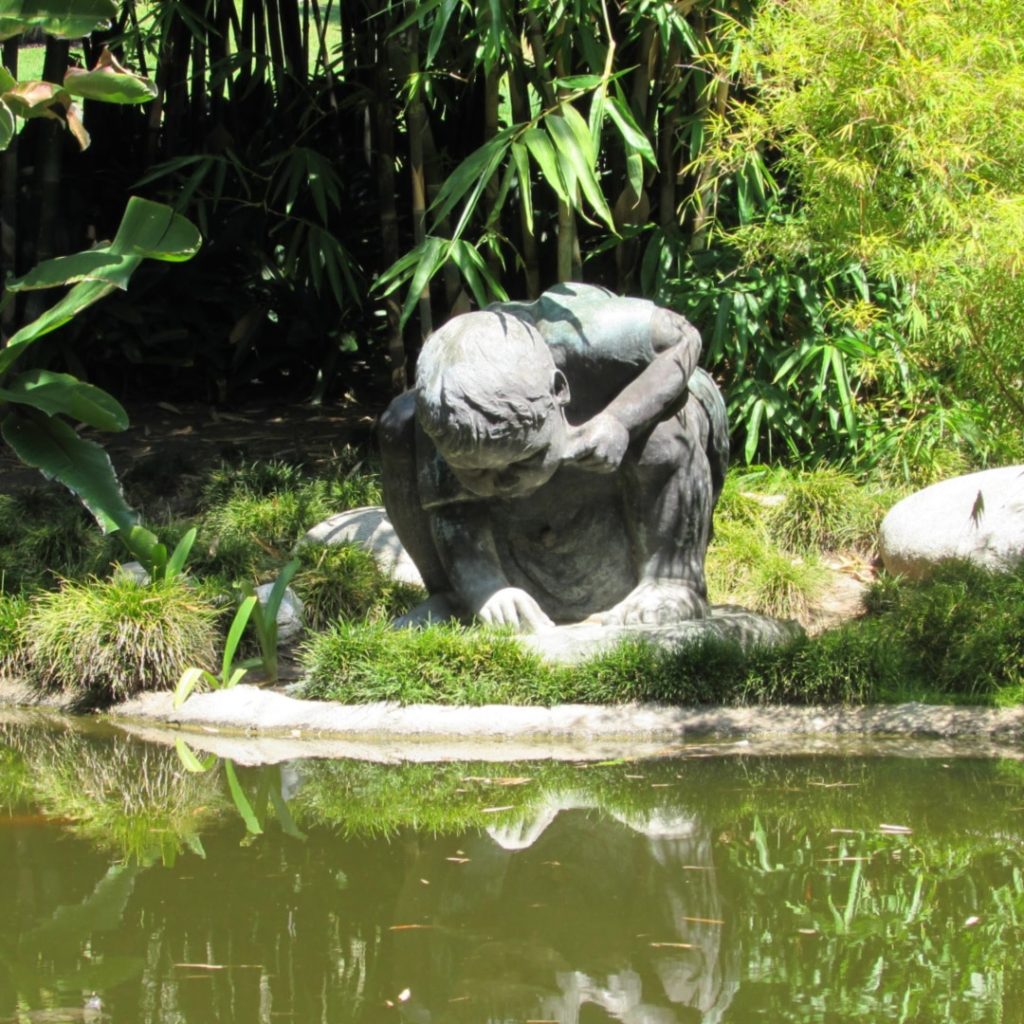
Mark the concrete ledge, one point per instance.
(273, 727)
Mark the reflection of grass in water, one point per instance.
(809, 793)
(15, 779)
(130, 798)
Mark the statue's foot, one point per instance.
(658, 603)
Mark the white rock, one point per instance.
(370, 528)
(133, 571)
(289, 612)
(978, 517)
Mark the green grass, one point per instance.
(105, 640)
(958, 638)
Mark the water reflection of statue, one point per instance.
(559, 459)
(577, 918)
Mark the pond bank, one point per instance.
(261, 725)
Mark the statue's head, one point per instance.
(491, 399)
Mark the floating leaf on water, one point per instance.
(703, 920)
(971, 921)
(409, 927)
(403, 996)
(458, 860)
(672, 945)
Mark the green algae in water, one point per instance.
(734, 889)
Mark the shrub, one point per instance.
(105, 640)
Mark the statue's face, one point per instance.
(497, 471)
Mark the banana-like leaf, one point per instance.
(7, 125)
(62, 394)
(65, 19)
(35, 99)
(50, 445)
(148, 230)
(109, 81)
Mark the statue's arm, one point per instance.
(662, 383)
(465, 543)
(600, 443)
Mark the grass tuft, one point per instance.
(957, 638)
(343, 581)
(105, 640)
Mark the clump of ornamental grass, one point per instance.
(360, 662)
(343, 581)
(13, 608)
(254, 515)
(825, 509)
(745, 566)
(104, 640)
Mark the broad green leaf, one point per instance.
(144, 545)
(176, 562)
(277, 591)
(65, 19)
(283, 812)
(7, 80)
(50, 445)
(234, 638)
(155, 231)
(572, 139)
(34, 99)
(147, 230)
(543, 152)
(241, 801)
(79, 298)
(109, 81)
(186, 754)
(62, 394)
(7, 125)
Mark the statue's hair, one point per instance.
(484, 378)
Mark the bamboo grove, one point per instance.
(362, 169)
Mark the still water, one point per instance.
(682, 889)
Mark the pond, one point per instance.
(144, 883)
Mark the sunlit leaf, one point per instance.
(60, 393)
(109, 81)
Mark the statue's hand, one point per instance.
(511, 606)
(599, 444)
(658, 603)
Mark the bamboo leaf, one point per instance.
(432, 259)
(471, 176)
(543, 152)
(572, 139)
(521, 159)
(632, 136)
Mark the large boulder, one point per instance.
(978, 517)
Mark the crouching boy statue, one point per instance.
(558, 461)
